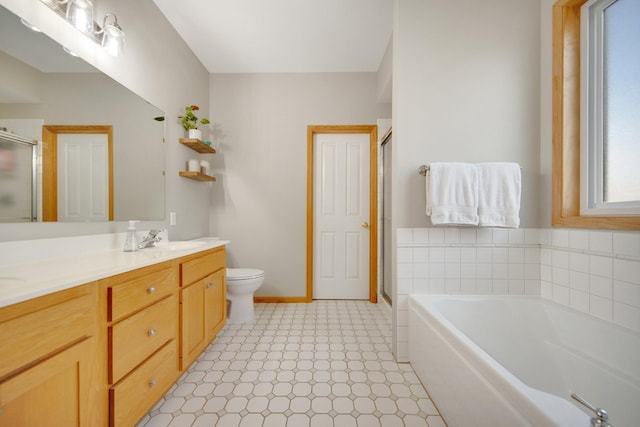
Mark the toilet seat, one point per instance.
(238, 274)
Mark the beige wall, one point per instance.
(161, 68)
(259, 201)
(546, 7)
(18, 83)
(466, 88)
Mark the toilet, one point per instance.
(241, 285)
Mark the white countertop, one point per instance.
(42, 275)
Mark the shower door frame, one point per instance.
(385, 231)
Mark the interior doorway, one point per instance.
(342, 229)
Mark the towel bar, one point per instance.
(423, 169)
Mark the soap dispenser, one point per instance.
(131, 242)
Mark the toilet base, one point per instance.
(241, 309)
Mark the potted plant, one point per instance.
(190, 121)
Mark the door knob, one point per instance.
(364, 225)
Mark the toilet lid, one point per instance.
(243, 273)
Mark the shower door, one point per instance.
(17, 178)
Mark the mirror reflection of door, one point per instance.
(77, 171)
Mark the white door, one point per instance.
(83, 177)
(341, 216)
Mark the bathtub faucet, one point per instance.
(602, 417)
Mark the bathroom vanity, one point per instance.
(50, 360)
(102, 352)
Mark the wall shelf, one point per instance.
(197, 145)
(196, 176)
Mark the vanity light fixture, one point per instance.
(112, 36)
(79, 13)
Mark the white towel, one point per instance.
(499, 194)
(452, 193)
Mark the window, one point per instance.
(610, 107)
(609, 155)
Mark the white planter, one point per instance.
(195, 134)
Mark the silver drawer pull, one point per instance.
(153, 383)
(210, 284)
(151, 290)
(151, 332)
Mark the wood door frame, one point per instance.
(50, 164)
(372, 131)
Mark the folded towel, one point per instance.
(499, 194)
(452, 193)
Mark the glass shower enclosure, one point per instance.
(18, 165)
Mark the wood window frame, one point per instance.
(566, 126)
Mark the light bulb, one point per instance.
(80, 14)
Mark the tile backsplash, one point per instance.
(597, 272)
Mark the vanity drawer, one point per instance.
(36, 328)
(202, 266)
(132, 295)
(132, 397)
(132, 340)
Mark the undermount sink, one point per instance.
(178, 246)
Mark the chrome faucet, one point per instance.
(602, 417)
(151, 239)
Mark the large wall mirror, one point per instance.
(100, 152)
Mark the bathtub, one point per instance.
(514, 361)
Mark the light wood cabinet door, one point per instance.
(203, 312)
(132, 397)
(128, 296)
(201, 266)
(137, 337)
(33, 329)
(54, 392)
(215, 303)
(194, 333)
(141, 322)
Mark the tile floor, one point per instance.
(324, 364)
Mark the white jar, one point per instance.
(193, 165)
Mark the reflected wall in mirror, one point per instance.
(43, 86)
